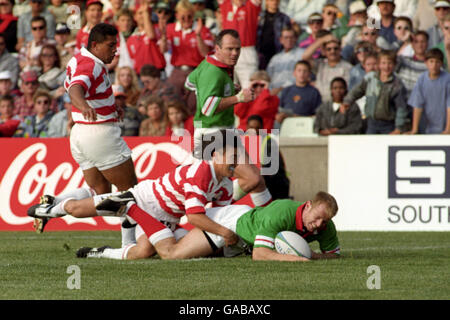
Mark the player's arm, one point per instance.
(245, 95)
(76, 93)
(262, 253)
(201, 221)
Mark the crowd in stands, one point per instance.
(357, 67)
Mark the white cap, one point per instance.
(391, 1)
(441, 4)
(5, 75)
(357, 6)
(118, 90)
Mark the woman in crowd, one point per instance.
(178, 120)
(155, 125)
(127, 78)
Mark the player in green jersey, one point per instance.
(257, 228)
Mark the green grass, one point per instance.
(413, 266)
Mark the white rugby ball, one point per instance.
(288, 242)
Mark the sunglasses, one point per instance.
(38, 28)
(329, 49)
(162, 11)
(258, 85)
(446, 28)
(315, 22)
(34, 83)
(370, 33)
(42, 102)
(331, 13)
(442, 8)
(402, 28)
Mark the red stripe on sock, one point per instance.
(149, 224)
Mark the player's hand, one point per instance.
(198, 28)
(230, 238)
(89, 113)
(249, 95)
(396, 131)
(120, 113)
(344, 107)
(237, 87)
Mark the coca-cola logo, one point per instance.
(38, 179)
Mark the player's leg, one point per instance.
(122, 176)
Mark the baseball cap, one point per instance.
(441, 4)
(93, 2)
(315, 17)
(118, 90)
(197, 1)
(5, 75)
(391, 1)
(357, 6)
(162, 5)
(29, 76)
(62, 28)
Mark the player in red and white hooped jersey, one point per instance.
(157, 205)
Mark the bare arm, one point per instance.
(202, 222)
(245, 95)
(261, 253)
(417, 114)
(76, 93)
(202, 47)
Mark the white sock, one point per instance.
(77, 194)
(117, 254)
(238, 193)
(128, 233)
(261, 199)
(58, 210)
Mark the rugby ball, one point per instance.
(288, 242)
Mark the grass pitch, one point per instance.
(412, 266)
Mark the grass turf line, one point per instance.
(413, 266)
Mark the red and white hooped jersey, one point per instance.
(91, 73)
(189, 188)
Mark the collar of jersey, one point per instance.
(85, 52)
(299, 217)
(213, 60)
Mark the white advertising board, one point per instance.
(390, 183)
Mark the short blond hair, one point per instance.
(184, 5)
(329, 201)
(260, 75)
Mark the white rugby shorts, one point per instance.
(98, 145)
(226, 216)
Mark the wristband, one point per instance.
(240, 96)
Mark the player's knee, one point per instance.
(137, 253)
(72, 207)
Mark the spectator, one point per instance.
(8, 25)
(24, 33)
(29, 54)
(333, 118)
(155, 125)
(62, 34)
(179, 122)
(358, 18)
(330, 19)
(142, 44)
(425, 18)
(403, 30)
(265, 104)
(315, 24)
(8, 122)
(300, 99)
(190, 44)
(410, 69)
(59, 125)
(300, 10)
(93, 15)
(281, 65)
(23, 105)
(110, 14)
(270, 25)
(357, 72)
(36, 125)
(125, 23)
(444, 46)
(386, 109)
(126, 77)
(208, 15)
(8, 62)
(6, 84)
(387, 8)
(242, 16)
(131, 117)
(278, 183)
(436, 32)
(59, 10)
(330, 67)
(52, 77)
(431, 97)
(151, 79)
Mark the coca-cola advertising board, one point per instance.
(32, 167)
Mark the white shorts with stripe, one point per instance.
(227, 217)
(98, 145)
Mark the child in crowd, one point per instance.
(332, 118)
(179, 122)
(431, 97)
(300, 99)
(386, 109)
(8, 122)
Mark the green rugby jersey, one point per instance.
(211, 81)
(259, 226)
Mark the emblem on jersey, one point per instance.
(297, 98)
(227, 90)
(230, 16)
(106, 80)
(176, 41)
(217, 196)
